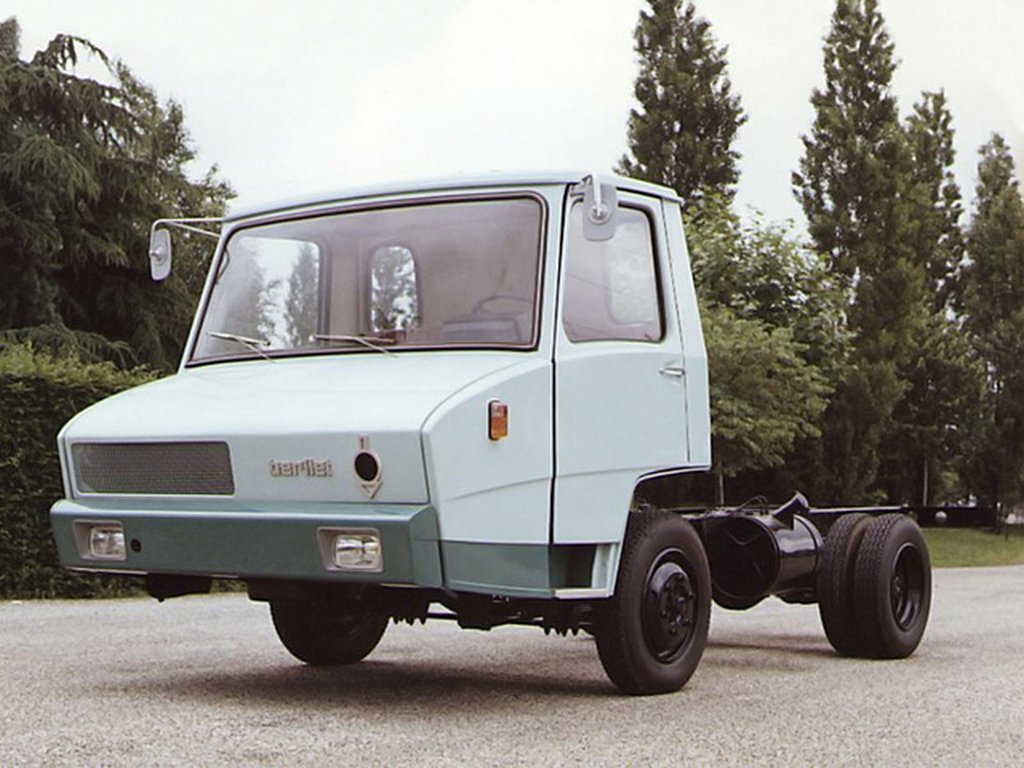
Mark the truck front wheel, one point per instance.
(651, 634)
(322, 634)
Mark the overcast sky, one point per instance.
(307, 95)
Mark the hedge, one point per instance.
(38, 394)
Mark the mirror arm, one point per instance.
(188, 225)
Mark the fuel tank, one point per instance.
(756, 555)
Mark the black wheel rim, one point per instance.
(668, 609)
(906, 589)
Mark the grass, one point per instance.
(964, 547)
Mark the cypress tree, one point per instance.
(10, 39)
(942, 375)
(682, 134)
(858, 189)
(939, 240)
(301, 302)
(993, 303)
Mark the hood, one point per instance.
(292, 427)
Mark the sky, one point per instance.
(308, 95)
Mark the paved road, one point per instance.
(203, 681)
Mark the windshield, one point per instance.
(450, 274)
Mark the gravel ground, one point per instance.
(203, 681)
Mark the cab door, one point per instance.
(620, 383)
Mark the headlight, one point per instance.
(352, 549)
(100, 540)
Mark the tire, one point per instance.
(321, 634)
(836, 582)
(892, 588)
(651, 634)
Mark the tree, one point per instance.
(856, 153)
(923, 460)
(302, 305)
(993, 303)
(682, 135)
(939, 240)
(943, 377)
(859, 191)
(764, 396)
(10, 39)
(394, 300)
(774, 329)
(761, 271)
(250, 308)
(85, 166)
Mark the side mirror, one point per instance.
(600, 209)
(159, 253)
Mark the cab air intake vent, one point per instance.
(195, 468)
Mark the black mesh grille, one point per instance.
(173, 468)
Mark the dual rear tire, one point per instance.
(874, 586)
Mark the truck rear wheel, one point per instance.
(835, 582)
(651, 634)
(892, 587)
(320, 634)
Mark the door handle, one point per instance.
(675, 371)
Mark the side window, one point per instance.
(611, 290)
(394, 291)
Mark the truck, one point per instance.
(480, 399)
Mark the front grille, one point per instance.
(197, 468)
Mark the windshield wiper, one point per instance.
(256, 345)
(366, 341)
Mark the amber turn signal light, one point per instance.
(497, 420)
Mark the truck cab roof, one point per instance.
(446, 184)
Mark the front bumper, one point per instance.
(275, 541)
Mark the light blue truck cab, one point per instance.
(452, 393)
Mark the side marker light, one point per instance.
(497, 420)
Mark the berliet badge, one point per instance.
(301, 468)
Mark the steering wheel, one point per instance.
(479, 306)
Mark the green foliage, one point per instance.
(249, 297)
(85, 166)
(60, 341)
(993, 305)
(850, 173)
(760, 270)
(395, 303)
(943, 378)
(10, 44)
(764, 396)
(38, 394)
(882, 205)
(774, 331)
(682, 135)
(937, 238)
(302, 303)
(934, 422)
